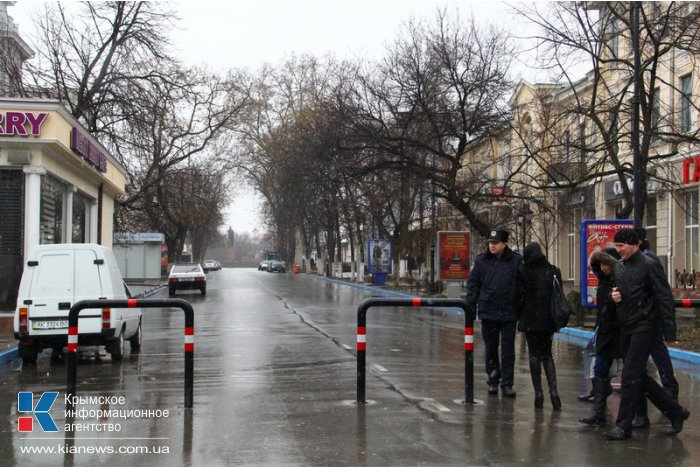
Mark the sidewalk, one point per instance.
(682, 358)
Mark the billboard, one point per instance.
(453, 255)
(596, 235)
(379, 256)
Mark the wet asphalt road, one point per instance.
(275, 383)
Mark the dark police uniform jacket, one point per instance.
(490, 285)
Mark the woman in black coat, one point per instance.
(608, 343)
(533, 292)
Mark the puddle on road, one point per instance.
(354, 403)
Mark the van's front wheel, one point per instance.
(115, 347)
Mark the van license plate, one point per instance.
(55, 324)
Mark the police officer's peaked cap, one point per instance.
(498, 235)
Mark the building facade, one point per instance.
(561, 157)
(13, 52)
(57, 185)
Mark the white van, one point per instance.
(57, 276)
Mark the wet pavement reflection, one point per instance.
(275, 383)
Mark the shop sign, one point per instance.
(138, 237)
(22, 123)
(82, 145)
(379, 252)
(578, 197)
(613, 190)
(596, 235)
(691, 170)
(453, 254)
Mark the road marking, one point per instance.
(379, 367)
(396, 350)
(437, 405)
(347, 347)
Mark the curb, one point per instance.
(152, 292)
(572, 335)
(8, 355)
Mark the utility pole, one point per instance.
(637, 175)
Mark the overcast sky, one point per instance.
(238, 34)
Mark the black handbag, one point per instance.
(560, 308)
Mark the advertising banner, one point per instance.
(453, 255)
(596, 235)
(379, 256)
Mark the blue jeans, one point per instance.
(601, 367)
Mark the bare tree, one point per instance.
(589, 132)
(89, 54)
(441, 87)
(186, 204)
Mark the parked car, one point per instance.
(55, 277)
(264, 265)
(187, 276)
(277, 266)
(211, 265)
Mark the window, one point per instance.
(81, 210)
(571, 243)
(582, 141)
(614, 38)
(504, 168)
(692, 245)
(686, 101)
(52, 209)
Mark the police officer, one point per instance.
(489, 289)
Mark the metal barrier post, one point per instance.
(416, 302)
(72, 357)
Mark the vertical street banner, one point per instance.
(453, 255)
(596, 235)
(379, 256)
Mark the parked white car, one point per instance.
(57, 276)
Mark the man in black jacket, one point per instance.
(489, 289)
(659, 350)
(644, 300)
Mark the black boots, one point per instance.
(677, 422)
(599, 403)
(536, 375)
(548, 364)
(641, 419)
(617, 434)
